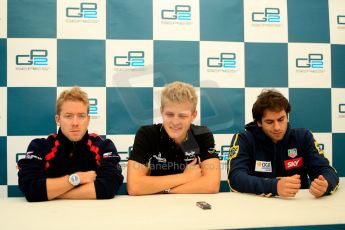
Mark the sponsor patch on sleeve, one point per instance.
(317, 146)
(211, 150)
(109, 155)
(234, 151)
(31, 155)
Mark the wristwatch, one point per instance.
(74, 179)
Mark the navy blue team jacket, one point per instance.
(256, 163)
(57, 156)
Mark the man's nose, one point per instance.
(75, 121)
(175, 120)
(276, 125)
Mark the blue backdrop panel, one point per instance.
(81, 62)
(221, 20)
(176, 61)
(128, 109)
(338, 66)
(3, 61)
(222, 110)
(338, 152)
(31, 111)
(31, 19)
(3, 157)
(266, 65)
(311, 108)
(131, 19)
(308, 21)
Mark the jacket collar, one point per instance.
(164, 135)
(257, 132)
(65, 141)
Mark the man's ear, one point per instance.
(57, 120)
(194, 114)
(259, 123)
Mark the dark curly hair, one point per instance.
(271, 100)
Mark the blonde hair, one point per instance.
(73, 94)
(179, 92)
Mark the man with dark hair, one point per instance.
(269, 158)
(71, 164)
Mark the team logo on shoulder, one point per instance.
(233, 151)
(292, 152)
(317, 146)
(211, 151)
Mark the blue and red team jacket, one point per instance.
(256, 163)
(57, 156)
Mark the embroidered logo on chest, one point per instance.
(159, 158)
(263, 166)
(189, 156)
(292, 152)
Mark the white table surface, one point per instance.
(171, 211)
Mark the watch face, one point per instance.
(74, 179)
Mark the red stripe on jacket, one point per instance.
(51, 155)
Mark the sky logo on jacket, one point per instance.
(263, 166)
(293, 163)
